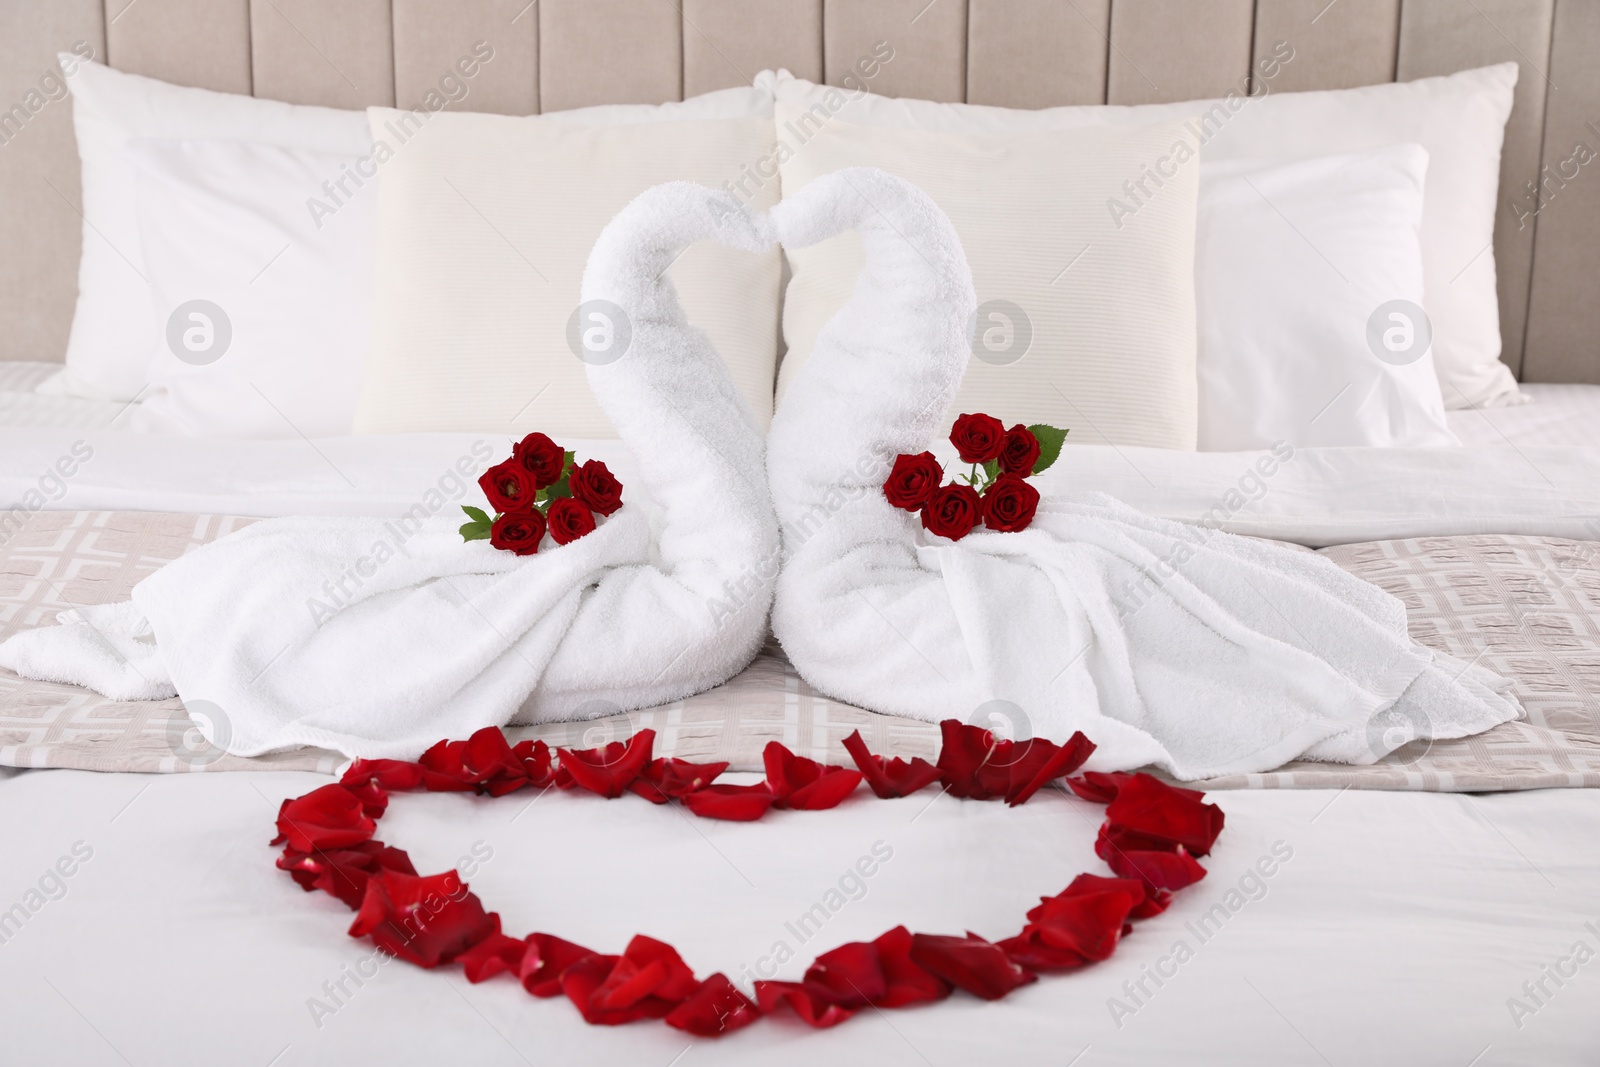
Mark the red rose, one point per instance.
(1020, 451)
(953, 511)
(1009, 503)
(594, 485)
(569, 520)
(913, 480)
(509, 486)
(978, 438)
(518, 531)
(540, 457)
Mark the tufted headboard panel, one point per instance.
(556, 54)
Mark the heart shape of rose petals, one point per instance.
(1150, 837)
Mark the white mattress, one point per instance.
(1553, 415)
(1395, 934)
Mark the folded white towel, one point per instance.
(429, 637)
(1167, 644)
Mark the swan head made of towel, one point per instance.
(1206, 669)
(441, 638)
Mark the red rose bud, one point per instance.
(1009, 504)
(540, 457)
(569, 520)
(518, 531)
(1020, 451)
(595, 487)
(509, 486)
(913, 481)
(953, 511)
(978, 438)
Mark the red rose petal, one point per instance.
(343, 872)
(803, 783)
(1157, 870)
(1098, 786)
(1148, 806)
(393, 774)
(443, 770)
(666, 779)
(1043, 762)
(647, 968)
(428, 920)
(971, 963)
(813, 1010)
(545, 960)
(1087, 923)
(714, 1009)
(734, 803)
(849, 976)
(964, 752)
(495, 954)
(536, 762)
(609, 770)
(890, 778)
(905, 980)
(330, 816)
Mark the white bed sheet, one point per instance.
(1317, 497)
(1553, 415)
(1394, 935)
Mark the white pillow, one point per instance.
(114, 327)
(1308, 283)
(263, 304)
(1459, 119)
(1082, 322)
(484, 225)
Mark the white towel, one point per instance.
(1168, 644)
(446, 637)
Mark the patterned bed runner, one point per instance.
(1525, 607)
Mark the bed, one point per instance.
(1434, 907)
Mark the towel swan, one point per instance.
(656, 604)
(1199, 652)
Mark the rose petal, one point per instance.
(714, 1009)
(428, 920)
(890, 778)
(330, 816)
(1157, 870)
(545, 960)
(646, 968)
(495, 954)
(1042, 763)
(970, 963)
(735, 803)
(1148, 806)
(849, 976)
(609, 770)
(395, 775)
(665, 779)
(1098, 786)
(813, 1010)
(803, 783)
(905, 980)
(964, 752)
(343, 872)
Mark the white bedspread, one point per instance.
(1396, 934)
(1320, 496)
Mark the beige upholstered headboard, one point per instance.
(557, 54)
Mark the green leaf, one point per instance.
(1050, 442)
(559, 489)
(568, 461)
(475, 531)
(991, 471)
(476, 514)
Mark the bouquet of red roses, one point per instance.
(994, 493)
(541, 489)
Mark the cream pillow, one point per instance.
(484, 225)
(1085, 319)
(1459, 119)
